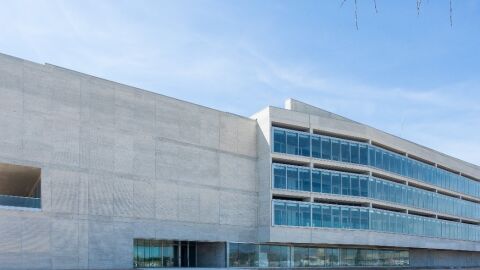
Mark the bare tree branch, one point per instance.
(356, 17)
(343, 2)
(419, 3)
(375, 4)
(451, 20)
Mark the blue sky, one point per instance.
(411, 75)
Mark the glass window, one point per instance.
(336, 184)
(363, 154)
(292, 143)
(354, 183)
(326, 148)
(346, 185)
(316, 181)
(280, 214)
(304, 142)
(243, 255)
(355, 217)
(293, 215)
(316, 257)
(326, 182)
(316, 216)
(354, 153)
(316, 147)
(304, 215)
(346, 217)
(279, 141)
(336, 150)
(274, 256)
(279, 177)
(336, 217)
(292, 178)
(326, 216)
(345, 149)
(155, 253)
(332, 257)
(304, 175)
(371, 156)
(363, 186)
(364, 219)
(170, 254)
(378, 158)
(300, 257)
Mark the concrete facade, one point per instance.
(119, 163)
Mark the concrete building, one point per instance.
(99, 175)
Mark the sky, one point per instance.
(412, 75)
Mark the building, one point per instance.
(98, 175)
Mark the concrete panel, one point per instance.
(237, 172)
(238, 209)
(10, 229)
(166, 206)
(64, 193)
(123, 198)
(209, 205)
(144, 199)
(100, 199)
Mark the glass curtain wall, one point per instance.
(163, 253)
(333, 182)
(285, 256)
(352, 217)
(325, 147)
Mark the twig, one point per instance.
(375, 4)
(451, 20)
(356, 17)
(419, 3)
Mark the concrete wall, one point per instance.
(118, 163)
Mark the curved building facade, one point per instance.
(99, 175)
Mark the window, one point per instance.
(292, 143)
(355, 218)
(316, 257)
(355, 185)
(292, 178)
(304, 175)
(364, 219)
(363, 186)
(336, 183)
(336, 222)
(293, 215)
(345, 149)
(316, 181)
(316, 147)
(346, 217)
(354, 152)
(326, 182)
(316, 216)
(336, 150)
(326, 148)
(326, 216)
(300, 257)
(20, 186)
(274, 256)
(363, 154)
(346, 185)
(279, 177)
(304, 142)
(280, 214)
(304, 215)
(279, 141)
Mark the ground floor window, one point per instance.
(164, 253)
(281, 256)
